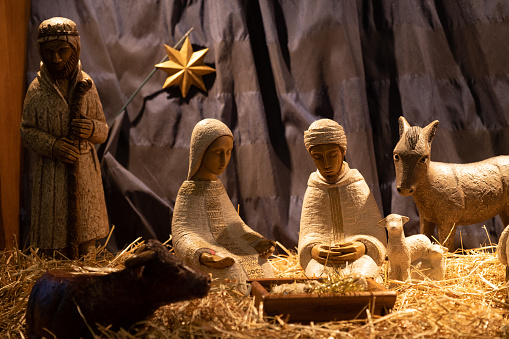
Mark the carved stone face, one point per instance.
(328, 159)
(59, 58)
(216, 158)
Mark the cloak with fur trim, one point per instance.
(46, 115)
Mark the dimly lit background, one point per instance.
(280, 65)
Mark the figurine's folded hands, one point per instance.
(265, 248)
(338, 254)
(215, 261)
(64, 150)
(82, 128)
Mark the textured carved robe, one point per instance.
(204, 218)
(46, 117)
(346, 204)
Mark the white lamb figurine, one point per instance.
(414, 251)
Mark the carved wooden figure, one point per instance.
(62, 120)
(503, 250)
(207, 231)
(338, 225)
(448, 194)
(414, 251)
(66, 304)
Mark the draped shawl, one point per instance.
(349, 205)
(204, 219)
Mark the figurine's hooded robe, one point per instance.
(46, 117)
(205, 221)
(346, 206)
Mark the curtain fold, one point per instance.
(280, 65)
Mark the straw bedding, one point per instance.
(470, 302)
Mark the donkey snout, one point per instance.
(405, 191)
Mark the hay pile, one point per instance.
(470, 302)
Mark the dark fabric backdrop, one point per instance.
(280, 65)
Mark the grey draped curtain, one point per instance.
(280, 65)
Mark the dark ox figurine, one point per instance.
(153, 277)
(448, 194)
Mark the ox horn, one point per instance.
(141, 258)
(140, 249)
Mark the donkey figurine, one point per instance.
(448, 194)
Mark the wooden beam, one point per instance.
(14, 16)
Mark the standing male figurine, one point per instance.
(62, 120)
(339, 221)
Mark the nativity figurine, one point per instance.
(62, 120)
(448, 195)
(74, 304)
(339, 221)
(503, 250)
(207, 232)
(413, 257)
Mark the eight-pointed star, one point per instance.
(185, 67)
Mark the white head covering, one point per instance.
(204, 133)
(325, 131)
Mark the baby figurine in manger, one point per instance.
(207, 232)
(339, 220)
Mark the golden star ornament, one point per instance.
(185, 67)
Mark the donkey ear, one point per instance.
(403, 125)
(430, 131)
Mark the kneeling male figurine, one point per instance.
(339, 221)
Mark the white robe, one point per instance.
(350, 201)
(205, 219)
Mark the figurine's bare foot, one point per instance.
(215, 261)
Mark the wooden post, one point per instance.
(14, 16)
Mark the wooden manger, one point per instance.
(307, 307)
